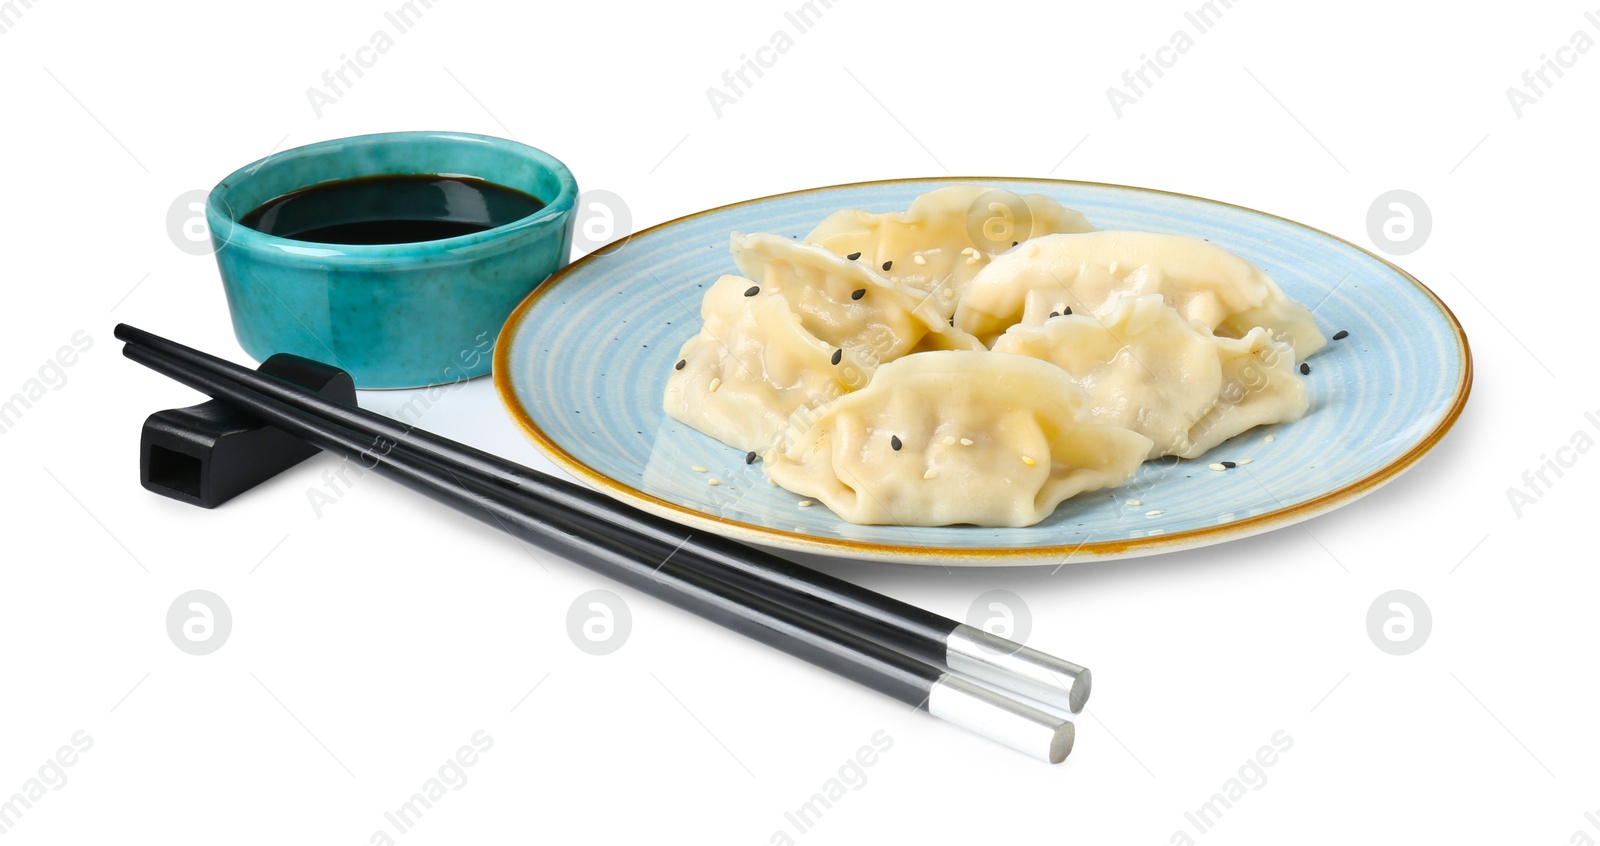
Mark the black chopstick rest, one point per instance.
(210, 453)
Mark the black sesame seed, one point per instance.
(750, 457)
(1055, 314)
(1067, 310)
(680, 364)
(1305, 369)
(1014, 243)
(894, 443)
(952, 321)
(1340, 335)
(752, 290)
(1229, 464)
(838, 356)
(858, 293)
(888, 264)
(853, 256)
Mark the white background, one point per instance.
(371, 641)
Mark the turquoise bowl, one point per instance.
(391, 315)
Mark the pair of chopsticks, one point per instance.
(988, 684)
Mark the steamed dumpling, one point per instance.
(1147, 369)
(803, 328)
(940, 438)
(751, 366)
(945, 238)
(844, 302)
(1083, 272)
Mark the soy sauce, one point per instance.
(401, 209)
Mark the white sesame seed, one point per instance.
(697, 468)
(1216, 467)
(919, 259)
(966, 442)
(931, 473)
(970, 251)
(716, 382)
(1113, 267)
(948, 293)
(805, 503)
(1243, 461)
(713, 482)
(1134, 503)
(1028, 460)
(949, 440)
(1156, 513)
(1269, 439)
(771, 481)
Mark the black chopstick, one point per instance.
(922, 634)
(998, 716)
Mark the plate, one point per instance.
(583, 361)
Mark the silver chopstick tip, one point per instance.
(1061, 745)
(1002, 718)
(1020, 669)
(1079, 695)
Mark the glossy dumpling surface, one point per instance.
(802, 327)
(751, 366)
(951, 437)
(1147, 369)
(1084, 272)
(845, 303)
(938, 244)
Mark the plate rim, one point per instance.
(1003, 555)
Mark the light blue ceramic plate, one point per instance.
(583, 361)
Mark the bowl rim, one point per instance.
(1001, 555)
(220, 215)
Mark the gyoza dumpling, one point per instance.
(1202, 282)
(946, 237)
(844, 302)
(1149, 370)
(805, 327)
(751, 366)
(940, 438)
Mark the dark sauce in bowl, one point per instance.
(402, 209)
